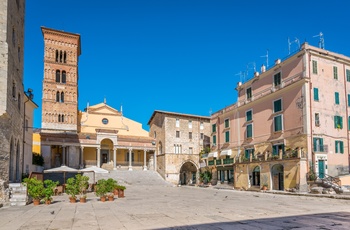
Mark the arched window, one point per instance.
(58, 76)
(57, 96)
(61, 56)
(65, 57)
(56, 55)
(62, 97)
(14, 90)
(62, 118)
(59, 117)
(19, 101)
(63, 76)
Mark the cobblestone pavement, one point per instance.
(166, 207)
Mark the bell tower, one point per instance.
(60, 84)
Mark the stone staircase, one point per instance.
(18, 194)
(135, 177)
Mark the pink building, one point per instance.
(289, 122)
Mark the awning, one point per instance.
(213, 154)
(226, 152)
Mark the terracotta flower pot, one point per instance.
(115, 192)
(103, 198)
(36, 201)
(47, 202)
(82, 199)
(264, 188)
(72, 199)
(111, 198)
(120, 193)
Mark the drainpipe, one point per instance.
(347, 112)
(311, 133)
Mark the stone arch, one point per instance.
(188, 173)
(277, 177)
(256, 176)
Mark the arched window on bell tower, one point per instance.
(58, 76)
(57, 96)
(61, 56)
(63, 76)
(56, 56)
(62, 118)
(62, 97)
(64, 57)
(59, 117)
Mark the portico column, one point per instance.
(154, 161)
(98, 156)
(114, 158)
(130, 166)
(144, 159)
(63, 155)
(81, 160)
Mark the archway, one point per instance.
(277, 177)
(256, 176)
(188, 173)
(106, 151)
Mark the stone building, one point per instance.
(100, 135)
(11, 92)
(290, 121)
(179, 139)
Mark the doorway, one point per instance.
(277, 177)
(105, 156)
(256, 176)
(321, 169)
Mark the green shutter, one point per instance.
(348, 122)
(315, 144)
(249, 115)
(227, 136)
(214, 140)
(335, 72)
(316, 94)
(341, 147)
(336, 146)
(348, 75)
(249, 131)
(336, 95)
(335, 122)
(340, 122)
(314, 67)
(349, 100)
(277, 105)
(278, 123)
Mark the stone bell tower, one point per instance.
(60, 84)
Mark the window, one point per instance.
(348, 75)
(65, 57)
(57, 96)
(62, 118)
(227, 136)
(248, 115)
(349, 123)
(277, 106)
(56, 55)
(59, 117)
(178, 134)
(277, 123)
(335, 72)
(348, 100)
(314, 67)
(277, 148)
(249, 93)
(339, 147)
(249, 152)
(317, 119)
(190, 150)
(19, 101)
(14, 90)
(190, 124)
(155, 134)
(213, 128)
(190, 135)
(61, 56)
(214, 140)
(318, 144)
(338, 122)
(202, 136)
(249, 131)
(336, 98)
(201, 125)
(63, 76)
(58, 76)
(227, 123)
(177, 123)
(62, 97)
(316, 94)
(277, 79)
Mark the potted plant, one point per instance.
(49, 187)
(101, 189)
(121, 189)
(264, 187)
(111, 184)
(72, 189)
(82, 183)
(35, 189)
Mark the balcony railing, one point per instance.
(218, 162)
(228, 161)
(321, 148)
(211, 162)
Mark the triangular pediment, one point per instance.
(103, 108)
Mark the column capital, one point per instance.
(98, 148)
(130, 149)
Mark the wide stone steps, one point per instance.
(18, 194)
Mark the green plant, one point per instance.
(38, 159)
(101, 188)
(72, 188)
(205, 176)
(82, 184)
(120, 187)
(49, 189)
(35, 187)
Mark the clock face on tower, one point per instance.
(105, 121)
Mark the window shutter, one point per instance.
(336, 146)
(341, 147)
(341, 122)
(315, 144)
(349, 100)
(316, 94)
(335, 121)
(336, 95)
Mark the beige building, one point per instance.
(11, 93)
(179, 139)
(100, 135)
(290, 122)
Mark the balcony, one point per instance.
(218, 162)
(228, 161)
(211, 162)
(321, 149)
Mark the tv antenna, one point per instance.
(241, 74)
(251, 65)
(267, 58)
(321, 42)
(291, 42)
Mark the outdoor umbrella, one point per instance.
(94, 170)
(62, 169)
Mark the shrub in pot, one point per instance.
(101, 189)
(72, 189)
(121, 189)
(35, 189)
(82, 183)
(111, 184)
(49, 187)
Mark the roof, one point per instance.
(177, 114)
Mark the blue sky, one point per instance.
(175, 55)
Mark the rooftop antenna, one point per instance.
(104, 100)
(241, 75)
(291, 42)
(321, 42)
(267, 58)
(249, 67)
(210, 112)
